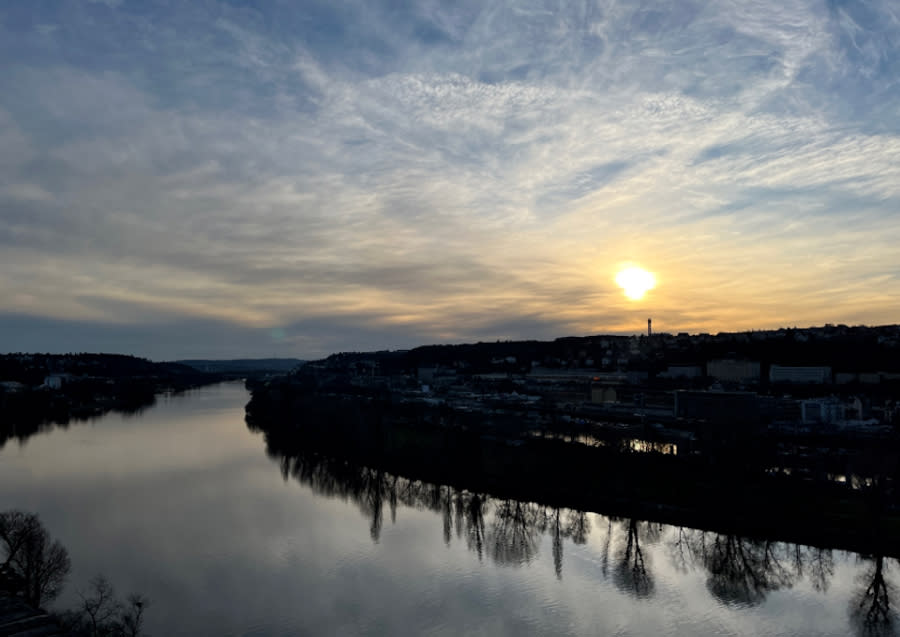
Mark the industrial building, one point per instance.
(729, 370)
(800, 375)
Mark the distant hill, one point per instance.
(37, 390)
(244, 365)
(844, 348)
(32, 369)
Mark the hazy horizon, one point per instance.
(256, 179)
(61, 348)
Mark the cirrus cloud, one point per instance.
(447, 171)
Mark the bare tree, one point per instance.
(745, 571)
(578, 527)
(557, 532)
(474, 511)
(681, 547)
(631, 572)
(101, 614)
(39, 564)
(100, 606)
(132, 617)
(514, 535)
(16, 527)
(870, 608)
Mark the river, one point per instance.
(182, 503)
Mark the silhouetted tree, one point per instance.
(445, 502)
(604, 559)
(101, 614)
(99, 606)
(514, 534)
(557, 533)
(870, 609)
(631, 573)
(372, 498)
(562, 524)
(578, 526)
(132, 616)
(681, 548)
(742, 570)
(474, 523)
(816, 563)
(38, 565)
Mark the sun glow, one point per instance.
(636, 282)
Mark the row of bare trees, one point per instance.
(35, 567)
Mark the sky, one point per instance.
(294, 178)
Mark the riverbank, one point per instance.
(728, 489)
(39, 390)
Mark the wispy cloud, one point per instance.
(449, 172)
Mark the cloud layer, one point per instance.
(354, 175)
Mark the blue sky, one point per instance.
(255, 178)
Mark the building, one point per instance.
(867, 378)
(800, 375)
(55, 381)
(727, 408)
(729, 370)
(603, 395)
(682, 371)
(822, 410)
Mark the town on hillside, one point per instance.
(831, 378)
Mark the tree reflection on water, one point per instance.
(739, 571)
(870, 608)
(742, 570)
(632, 572)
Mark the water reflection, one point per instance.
(739, 571)
(743, 571)
(225, 541)
(506, 531)
(632, 571)
(870, 609)
(42, 415)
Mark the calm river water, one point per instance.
(183, 504)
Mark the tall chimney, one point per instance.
(649, 327)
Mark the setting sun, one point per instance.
(636, 282)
